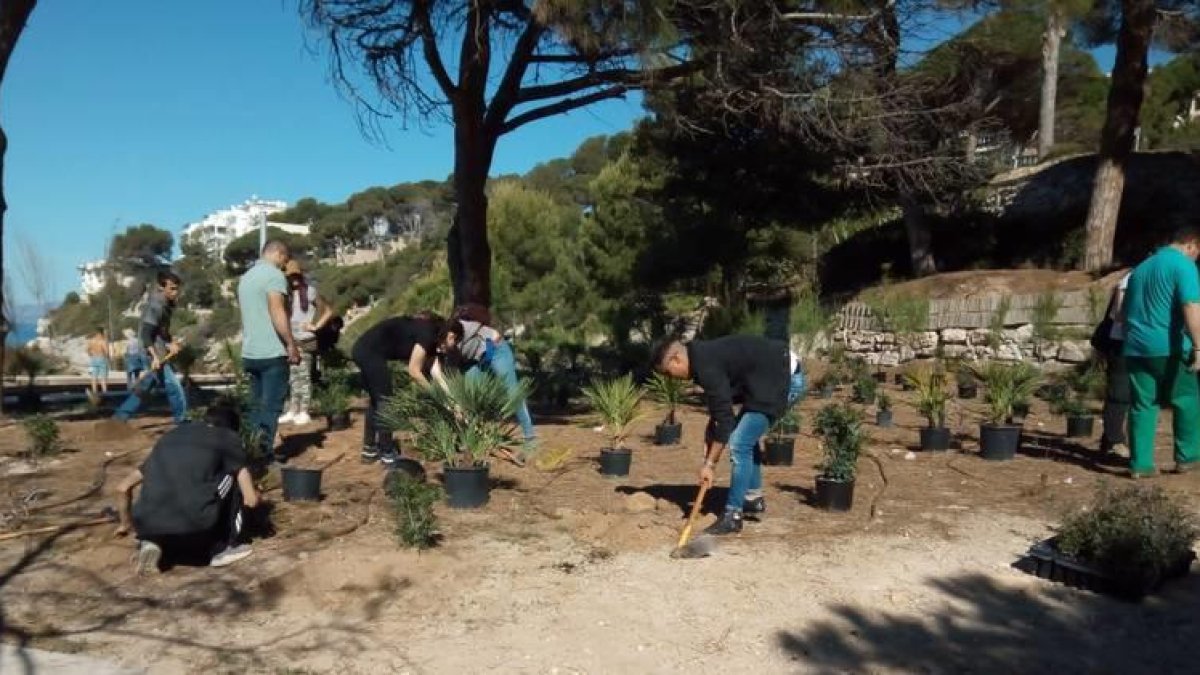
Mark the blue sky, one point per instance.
(128, 111)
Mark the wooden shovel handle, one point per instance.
(55, 528)
(687, 529)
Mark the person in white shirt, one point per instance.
(1117, 394)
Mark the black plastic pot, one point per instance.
(466, 487)
(1020, 411)
(827, 392)
(998, 442)
(935, 439)
(881, 377)
(301, 485)
(1080, 426)
(338, 422)
(668, 434)
(615, 463)
(1046, 561)
(834, 495)
(968, 391)
(779, 451)
(899, 378)
(905, 385)
(883, 418)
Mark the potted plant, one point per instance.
(840, 428)
(332, 399)
(1007, 385)
(930, 384)
(779, 448)
(668, 391)
(883, 410)
(616, 401)
(32, 363)
(827, 385)
(865, 388)
(458, 424)
(1080, 422)
(1128, 541)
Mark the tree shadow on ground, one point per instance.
(1071, 451)
(981, 625)
(175, 611)
(682, 496)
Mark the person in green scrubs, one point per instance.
(1162, 336)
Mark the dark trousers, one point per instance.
(377, 380)
(1116, 401)
(268, 392)
(198, 548)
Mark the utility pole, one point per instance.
(262, 231)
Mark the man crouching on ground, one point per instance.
(766, 377)
(195, 485)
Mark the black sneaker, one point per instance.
(730, 523)
(388, 458)
(368, 455)
(754, 508)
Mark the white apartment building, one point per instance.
(94, 273)
(218, 229)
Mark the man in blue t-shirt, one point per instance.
(1162, 336)
(267, 343)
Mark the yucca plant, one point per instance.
(840, 427)
(930, 385)
(617, 402)
(459, 424)
(668, 391)
(1007, 385)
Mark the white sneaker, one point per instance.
(148, 556)
(230, 555)
(287, 417)
(301, 419)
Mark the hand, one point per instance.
(293, 354)
(251, 499)
(174, 348)
(155, 364)
(308, 327)
(706, 475)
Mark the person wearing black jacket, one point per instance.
(758, 371)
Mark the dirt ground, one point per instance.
(557, 575)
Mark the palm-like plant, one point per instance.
(668, 391)
(930, 385)
(617, 402)
(459, 424)
(1007, 385)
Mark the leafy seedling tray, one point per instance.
(1045, 561)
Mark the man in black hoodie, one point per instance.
(765, 377)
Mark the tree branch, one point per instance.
(562, 106)
(507, 93)
(432, 56)
(620, 76)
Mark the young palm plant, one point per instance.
(668, 391)
(617, 402)
(1007, 385)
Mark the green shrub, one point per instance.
(1132, 533)
(412, 504)
(998, 321)
(1008, 386)
(883, 402)
(44, 438)
(865, 388)
(840, 427)
(1044, 314)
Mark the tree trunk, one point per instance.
(1116, 141)
(13, 16)
(468, 252)
(1051, 49)
(920, 239)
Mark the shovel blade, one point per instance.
(700, 547)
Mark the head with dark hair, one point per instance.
(168, 284)
(276, 252)
(100, 330)
(1186, 236)
(224, 415)
(670, 357)
(449, 335)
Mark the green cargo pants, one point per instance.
(1158, 382)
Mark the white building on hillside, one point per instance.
(218, 229)
(93, 274)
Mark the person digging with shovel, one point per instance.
(766, 377)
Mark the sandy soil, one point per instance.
(556, 575)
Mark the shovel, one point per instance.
(702, 547)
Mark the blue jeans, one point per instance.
(134, 365)
(797, 388)
(268, 392)
(746, 463)
(503, 364)
(175, 395)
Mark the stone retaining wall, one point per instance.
(963, 328)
